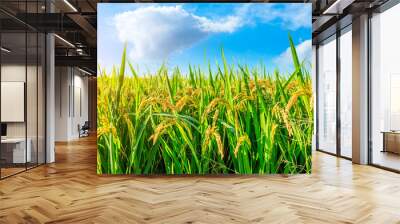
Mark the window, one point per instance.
(345, 92)
(327, 95)
(385, 89)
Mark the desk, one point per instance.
(391, 141)
(13, 150)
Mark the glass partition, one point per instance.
(14, 155)
(22, 77)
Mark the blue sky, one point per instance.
(194, 33)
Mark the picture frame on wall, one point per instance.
(204, 88)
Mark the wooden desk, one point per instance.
(391, 141)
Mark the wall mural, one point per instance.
(204, 88)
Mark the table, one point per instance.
(391, 141)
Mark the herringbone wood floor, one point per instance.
(69, 191)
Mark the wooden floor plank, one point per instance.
(70, 191)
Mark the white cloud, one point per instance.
(155, 32)
(296, 16)
(285, 62)
(227, 24)
(291, 16)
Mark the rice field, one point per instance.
(237, 120)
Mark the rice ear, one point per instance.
(219, 144)
(242, 139)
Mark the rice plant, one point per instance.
(238, 120)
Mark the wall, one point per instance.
(62, 81)
(71, 102)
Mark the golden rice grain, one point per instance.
(242, 139)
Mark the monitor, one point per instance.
(3, 129)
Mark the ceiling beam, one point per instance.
(49, 22)
(83, 23)
(78, 61)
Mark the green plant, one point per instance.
(236, 120)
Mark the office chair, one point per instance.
(84, 130)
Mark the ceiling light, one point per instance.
(5, 50)
(84, 71)
(65, 41)
(70, 5)
(331, 8)
(337, 7)
(80, 51)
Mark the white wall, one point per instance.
(62, 82)
(80, 99)
(70, 83)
